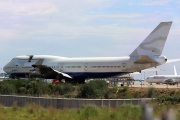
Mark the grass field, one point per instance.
(88, 112)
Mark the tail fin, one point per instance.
(175, 73)
(154, 42)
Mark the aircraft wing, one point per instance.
(144, 59)
(45, 70)
(64, 74)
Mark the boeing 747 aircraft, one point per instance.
(166, 79)
(146, 55)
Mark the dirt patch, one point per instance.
(156, 91)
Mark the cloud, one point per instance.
(104, 26)
(28, 8)
(82, 5)
(42, 7)
(25, 16)
(150, 2)
(50, 20)
(7, 34)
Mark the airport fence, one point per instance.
(60, 103)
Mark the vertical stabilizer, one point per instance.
(154, 42)
(175, 73)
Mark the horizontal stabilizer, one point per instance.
(172, 60)
(144, 59)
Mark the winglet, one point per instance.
(154, 42)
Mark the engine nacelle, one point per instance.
(34, 72)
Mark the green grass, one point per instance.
(87, 112)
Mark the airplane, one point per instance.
(146, 55)
(165, 79)
(3, 77)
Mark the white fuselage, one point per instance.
(91, 67)
(146, 55)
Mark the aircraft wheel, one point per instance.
(81, 81)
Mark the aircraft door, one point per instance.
(123, 66)
(15, 69)
(61, 67)
(85, 67)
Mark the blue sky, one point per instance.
(87, 28)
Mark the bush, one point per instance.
(168, 99)
(89, 111)
(137, 94)
(93, 89)
(6, 88)
(63, 88)
(111, 93)
(124, 89)
(22, 90)
(50, 88)
(150, 92)
(123, 93)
